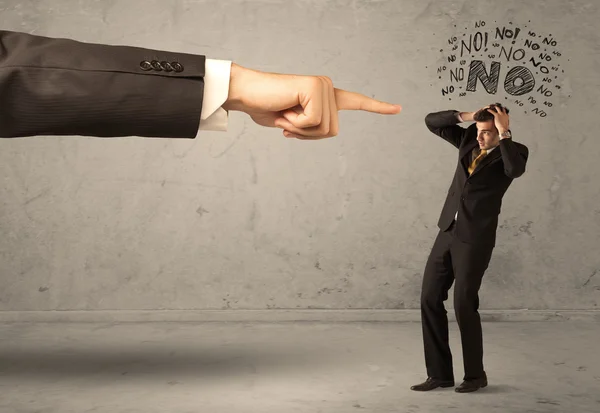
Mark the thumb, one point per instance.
(307, 113)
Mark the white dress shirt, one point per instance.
(216, 89)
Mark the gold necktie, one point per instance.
(476, 161)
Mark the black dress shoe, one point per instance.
(471, 385)
(431, 384)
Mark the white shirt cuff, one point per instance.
(216, 90)
(459, 117)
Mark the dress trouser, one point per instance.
(449, 260)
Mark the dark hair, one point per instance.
(483, 115)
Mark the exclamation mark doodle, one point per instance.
(517, 30)
(486, 39)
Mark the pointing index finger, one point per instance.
(355, 101)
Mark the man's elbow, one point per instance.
(430, 121)
(514, 172)
(517, 168)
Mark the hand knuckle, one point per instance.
(315, 82)
(314, 120)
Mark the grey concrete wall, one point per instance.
(250, 220)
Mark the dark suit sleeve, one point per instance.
(445, 125)
(51, 86)
(514, 156)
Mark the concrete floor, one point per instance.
(287, 367)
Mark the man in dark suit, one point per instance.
(55, 86)
(488, 161)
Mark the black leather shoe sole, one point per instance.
(432, 386)
(470, 389)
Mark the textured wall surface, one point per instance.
(247, 219)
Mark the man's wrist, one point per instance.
(234, 98)
(504, 133)
(466, 116)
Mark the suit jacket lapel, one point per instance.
(486, 160)
(465, 155)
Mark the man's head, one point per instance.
(487, 134)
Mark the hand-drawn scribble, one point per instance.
(477, 71)
(505, 59)
(519, 81)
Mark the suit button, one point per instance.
(145, 65)
(156, 65)
(177, 67)
(166, 66)
(462, 198)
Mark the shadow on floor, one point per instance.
(205, 362)
(498, 388)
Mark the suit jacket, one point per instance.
(52, 86)
(477, 198)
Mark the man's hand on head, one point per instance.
(501, 118)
